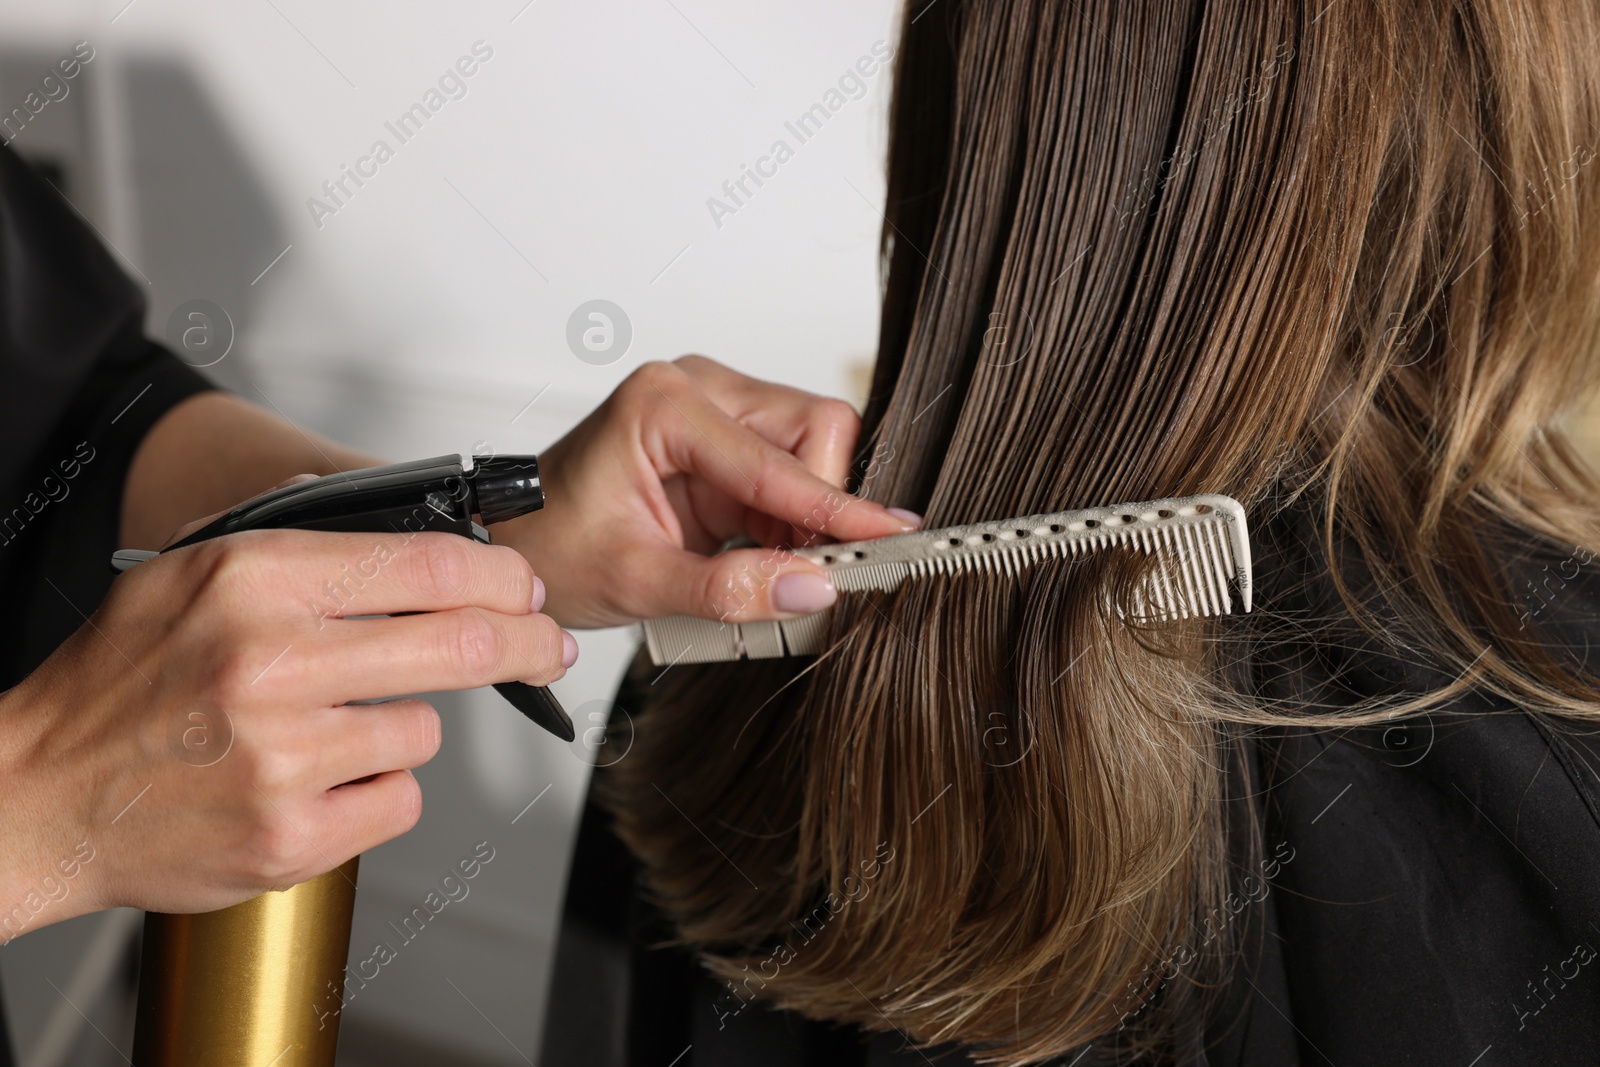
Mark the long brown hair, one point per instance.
(1343, 257)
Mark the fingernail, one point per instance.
(906, 516)
(801, 594)
(538, 593)
(569, 649)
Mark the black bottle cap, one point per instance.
(506, 486)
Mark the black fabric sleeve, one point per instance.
(55, 561)
(66, 308)
(80, 386)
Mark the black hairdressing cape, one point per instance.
(1434, 896)
(80, 386)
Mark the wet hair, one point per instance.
(1339, 257)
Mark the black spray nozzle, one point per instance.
(505, 487)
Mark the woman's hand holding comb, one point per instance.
(681, 458)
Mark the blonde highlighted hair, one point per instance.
(1342, 258)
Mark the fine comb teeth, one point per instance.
(1200, 544)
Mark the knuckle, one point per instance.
(762, 479)
(543, 651)
(693, 362)
(219, 569)
(519, 573)
(241, 573)
(836, 413)
(656, 374)
(549, 645)
(443, 568)
(274, 852)
(236, 668)
(730, 591)
(472, 647)
(405, 808)
(269, 772)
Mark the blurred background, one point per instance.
(426, 309)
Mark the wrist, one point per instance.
(45, 853)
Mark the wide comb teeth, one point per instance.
(1199, 543)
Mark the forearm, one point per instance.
(212, 451)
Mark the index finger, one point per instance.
(344, 574)
(688, 433)
(819, 431)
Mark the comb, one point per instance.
(1200, 544)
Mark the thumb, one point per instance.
(740, 585)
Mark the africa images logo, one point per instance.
(452, 85)
(852, 85)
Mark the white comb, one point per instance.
(1200, 543)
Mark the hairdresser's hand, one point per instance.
(681, 458)
(190, 746)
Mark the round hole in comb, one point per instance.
(1089, 524)
(1202, 509)
(1022, 533)
(827, 559)
(1164, 514)
(955, 542)
(988, 537)
(1129, 518)
(1055, 527)
(860, 554)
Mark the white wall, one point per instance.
(427, 312)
